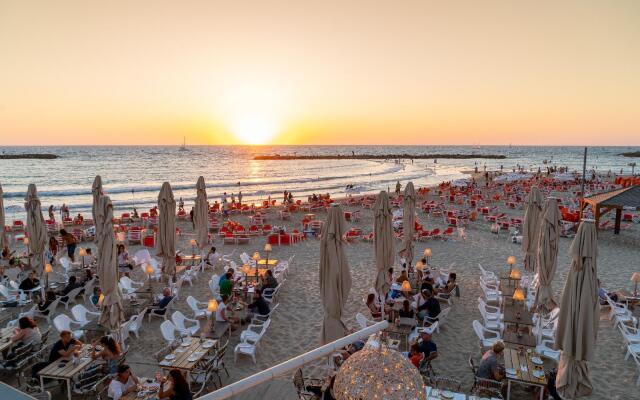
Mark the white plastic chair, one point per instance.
(71, 297)
(157, 312)
(486, 336)
(194, 304)
(250, 335)
(168, 331)
(363, 321)
(271, 295)
(48, 312)
(261, 319)
(179, 319)
(63, 323)
(137, 323)
(546, 349)
(82, 315)
(129, 286)
(248, 347)
(489, 276)
(439, 320)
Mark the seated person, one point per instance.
(30, 282)
(489, 367)
(27, 333)
(110, 353)
(89, 258)
(212, 257)
(88, 275)
(71, 285)
(415, 355)
(406, 311)
(64, 349)
(259, 305)
(430, 307)
(226, 284)
(269, 281)
(446, 289)
(124, 383)
(95, 297)
(602, 294)
(124, 263)
(427, 347)
(403, 277)
(373, 306)
(50, 297)
(221, 312)
(178, 387)
(160, 307)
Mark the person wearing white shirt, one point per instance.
(124, 383)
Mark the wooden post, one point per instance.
(618, 219)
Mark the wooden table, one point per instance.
(434, 394)
(514, 360)
(513, 341)
(507, 288)
(68, 370)
(5, 338)
(182, 354)
(402, 331)
(511, 313)
(191, 258)
(628, 297)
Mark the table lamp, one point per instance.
(635, 278)
(47, 270)
(267, 249)
(212, 306)
(518, 294)
(514, 275)
(427, 254)
(82, 252)
(511, 260)
(406, 288)
(100, 300)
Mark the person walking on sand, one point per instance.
(52, 217)
(398, 187)
(240, 197)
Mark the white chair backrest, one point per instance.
(192, 303)
(362, 320)
(168, 331)
(478, 328)
(5, 292)
(178, 319)
(142, 256)
(138, 320)
(245, 258)
(79, 313)
(62, 323)
(65, 262)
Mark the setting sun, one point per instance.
(254, 128)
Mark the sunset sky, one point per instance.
(322, 72)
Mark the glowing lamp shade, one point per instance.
(148, 269)
(100, 299)
(635, 278)
(212, 306)
(267, 247)
(262, 271)
(511, 260)
(246, 269)
(518, 294)
(120, 236)
(25, 241)
(256, 256)
(427, 252)
(406, 286)
(419, 266)
(48, 268)
(82, 252)
(515, 273)
(193, 242)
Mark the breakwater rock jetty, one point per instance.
(378, 156)
(28, 156)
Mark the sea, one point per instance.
(132, 175)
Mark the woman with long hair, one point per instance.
(179, 389)
(110, 353)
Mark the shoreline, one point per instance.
(278, 157)
(28, 156)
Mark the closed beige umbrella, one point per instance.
(112, 312)
(201, 214)
(408, 222)
(335, 277)
(548, 252)
(579, 315)
(383, 241)
(531, 228)
(167, 229)
(2, 222)
(36, 229)
(96, 192)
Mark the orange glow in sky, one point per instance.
(330, 72)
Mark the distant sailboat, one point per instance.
(184, 144)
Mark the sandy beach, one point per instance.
(297, 322)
